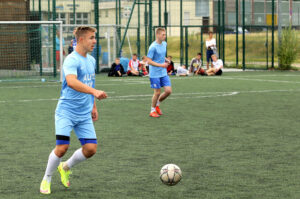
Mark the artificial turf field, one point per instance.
(235, 136)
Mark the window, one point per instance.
(202, 8)
(81, 18)
(61, 17)
(186, 18)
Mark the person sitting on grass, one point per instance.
(182, 71)
(116, 69)
(170, 68)
(144, 66)
(133, 66)
(217, 66)
(196, 65)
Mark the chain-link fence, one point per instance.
(245, 30)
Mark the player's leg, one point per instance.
(85, 132)
(155, 84)
(207, 59)
(167, 92)
(155, 97)
(166, 83)
(211, 72)
(63, 127)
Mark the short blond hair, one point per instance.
(81, 30)
(159, 30)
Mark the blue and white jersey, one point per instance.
(157, 52)
(74, 44)
(74, 104)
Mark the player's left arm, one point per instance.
(95, 112)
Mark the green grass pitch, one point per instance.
(235, 136)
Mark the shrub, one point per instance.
(288, 49)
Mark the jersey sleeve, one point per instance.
(70, 66)
(151, 52)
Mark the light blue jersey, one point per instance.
(157, 52)
(73, 104)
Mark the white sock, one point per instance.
(53, 162)
(76, 158)
(157, 103)
(152, 109)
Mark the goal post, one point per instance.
(28, 49)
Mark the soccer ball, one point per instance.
(170, 174)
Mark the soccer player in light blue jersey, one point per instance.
(76, 109)
(158, 71)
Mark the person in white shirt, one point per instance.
(211, 46)
(217, 66)
(182, 71)
(134, 66)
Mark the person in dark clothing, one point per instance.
(116, 69)
(170, 68)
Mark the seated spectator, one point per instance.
(170, 68)
(133, 66)
(182, 71)
(196, 65)
(70, 47)
(217, 66)
(144, 66)
(116, 69)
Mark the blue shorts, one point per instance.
(84, 130)
(209, 53)
(159, 82)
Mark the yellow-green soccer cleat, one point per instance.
(45, 187)
(64, 175)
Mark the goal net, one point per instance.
(30, 49)
(36, 49)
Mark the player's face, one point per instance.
(89, 41)
(117, 61)
(162, 36)
(134, 57)
(198, 56)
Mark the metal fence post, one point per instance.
(201, 44)
(97, 34)
(146, 26)
(181, 35)
(273, 20)
(54, 37)
(138, 31)
(244, 42)
(40, 39)
(186, 46)
(150, 23)
(223, 31)
(237, 32)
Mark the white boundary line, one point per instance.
(146, 81)
(179, 96)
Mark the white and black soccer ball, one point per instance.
(170, 174)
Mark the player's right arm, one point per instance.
(150, 56)
(70, 67)
(77, 85)
(153, 63)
